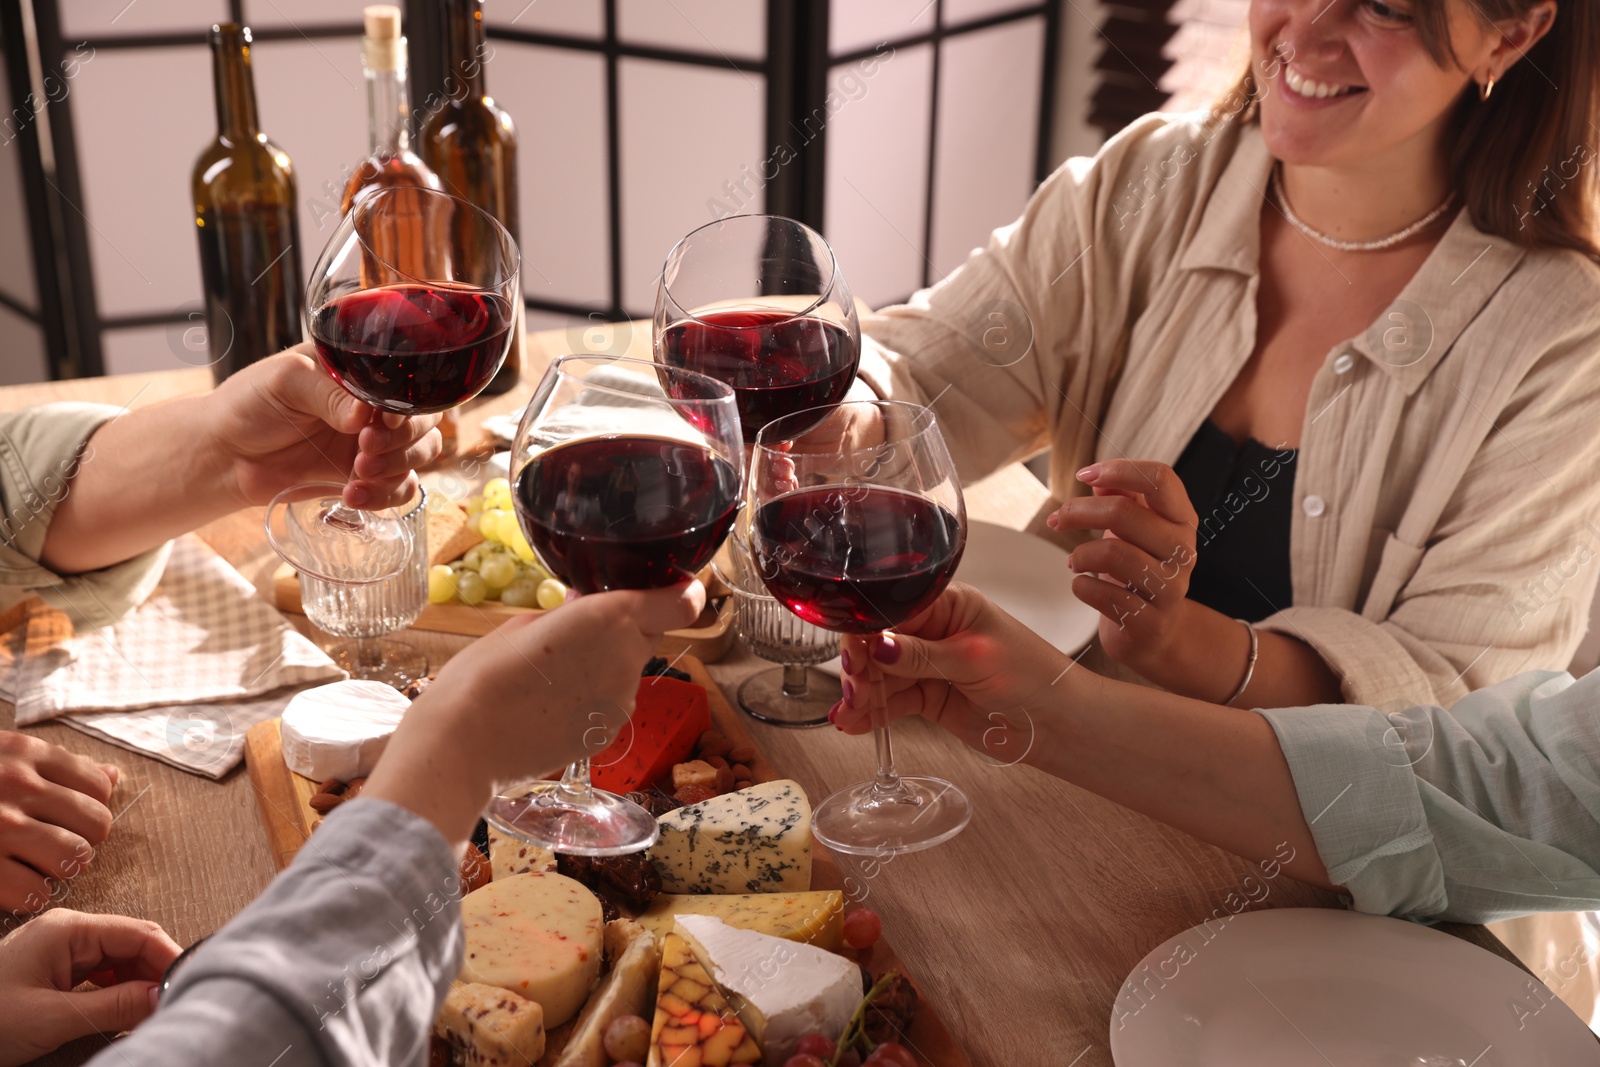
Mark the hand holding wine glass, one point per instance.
(858, 542)
(625, 475)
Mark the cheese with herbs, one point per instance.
(537, 935)
(626, 989)
(780, 989)
(817, 918)
(755, 840)
(508, 856)
(486, 1026)
(694, 1025)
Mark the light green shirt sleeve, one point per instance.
(1486, 811)
(40, 451)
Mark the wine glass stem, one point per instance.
(887, 781)
(574, 787)
(795, 681)
(368, 653)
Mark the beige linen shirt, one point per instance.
(1445, 494)
(40, 450)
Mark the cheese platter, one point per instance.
(732, 941)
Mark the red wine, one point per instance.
(776, 363)
(856, 559)
(413, 349)
(624, 512)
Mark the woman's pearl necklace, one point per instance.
(1353, 246)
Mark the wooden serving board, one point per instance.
(284, 798)
(708, 640)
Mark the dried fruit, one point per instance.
(745, 754)
(742, 773)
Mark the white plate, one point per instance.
(1028, 577)
(1323, 986)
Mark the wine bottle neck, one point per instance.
(388, 103)
(465, 49)
(235, 85)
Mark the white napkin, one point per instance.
(203, 640)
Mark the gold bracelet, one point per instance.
(1250, 664)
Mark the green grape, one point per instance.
(522, 593)
(497, 494)
(552, 594)
(441, 584)
(471, 587)
(497, 524)
(474, 558)
(498, 570)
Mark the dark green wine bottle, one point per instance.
(247, 220)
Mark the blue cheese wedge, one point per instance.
(755, 840)
(780, 989)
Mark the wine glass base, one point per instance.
(763, 698)
(398, 664)
(866, 820)
(600, 825)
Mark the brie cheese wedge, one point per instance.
(340, 730)
(781, 989)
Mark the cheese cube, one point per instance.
(537, 935)
(694, 1026)
(781, 990)
(814, 918)
(756, 840)
(508, 856)
(486, 1026)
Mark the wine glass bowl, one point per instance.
(413, 302)
(759, 302)
(625, 475)
(857, 538)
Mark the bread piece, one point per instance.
(627, 989)
(449, 536)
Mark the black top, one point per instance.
(1244, 496)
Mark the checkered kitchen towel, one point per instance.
(203, 641)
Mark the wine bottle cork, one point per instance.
(383, 47)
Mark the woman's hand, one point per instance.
(42, 961)
(526, 699)
(1137, 574)
(963, 663)
(284, 421)
(53, 814)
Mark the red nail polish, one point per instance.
(844, 658)
(885, 650)
(849, 691)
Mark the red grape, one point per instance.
(890, 1054)
(803, 1059)
(849, 1058)
(862, 928)
(818, 1045)
(627, 1037)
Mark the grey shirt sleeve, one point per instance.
(1486, 811)
(40, 451)
(345, 959)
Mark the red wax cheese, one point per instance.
(668, 717)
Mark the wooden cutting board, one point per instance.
(284, 798)
(708, 640)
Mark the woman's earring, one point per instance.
(1486, 88)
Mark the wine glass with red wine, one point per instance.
(759, 302)
(856, 525)
(411, 307)
(625, 475)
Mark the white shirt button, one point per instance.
(1313, 505)
(1343, 362)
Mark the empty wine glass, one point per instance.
(794, 693)
(368, 611)
(620, 482)
(759, 302)
(411, 307)
(857, 523)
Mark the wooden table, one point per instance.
(1020, 930)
